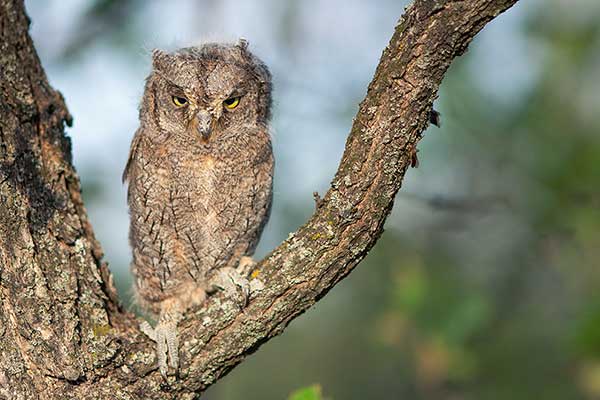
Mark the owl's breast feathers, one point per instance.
(195, 210)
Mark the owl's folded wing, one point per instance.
(132, 154)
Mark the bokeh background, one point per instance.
(485, 283)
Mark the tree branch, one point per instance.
(62, 334)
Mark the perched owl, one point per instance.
(200, 175)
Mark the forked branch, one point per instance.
(62, 333)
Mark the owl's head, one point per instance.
(206, 91)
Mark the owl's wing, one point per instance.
(132, 155)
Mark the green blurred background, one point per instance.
(485, 283)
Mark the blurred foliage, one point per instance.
(485, 289)
(104, 19)
(313, 392)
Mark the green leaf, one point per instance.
(308, 393)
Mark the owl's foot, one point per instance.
(246, 265)
(167, 343)
(234, 284)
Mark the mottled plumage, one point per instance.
(200, 176)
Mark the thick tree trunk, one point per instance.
(62, 333)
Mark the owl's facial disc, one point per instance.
(204, 124)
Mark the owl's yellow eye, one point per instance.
(179, 101)
(231, 103)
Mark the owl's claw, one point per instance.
(246, 265)
(234, 285)
(167, 343)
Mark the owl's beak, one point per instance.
(204, 122)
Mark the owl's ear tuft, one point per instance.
(242, 44)
(159, 58)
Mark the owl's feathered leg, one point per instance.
(231, 280)
(167, 343)
(165, 331)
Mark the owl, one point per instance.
(199, 180)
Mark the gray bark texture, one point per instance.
(63, 334)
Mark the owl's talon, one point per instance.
(148, 330)
(246, 265)
(234, 285)
(247, 268)
(167, 344)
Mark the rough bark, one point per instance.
(62, 333)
